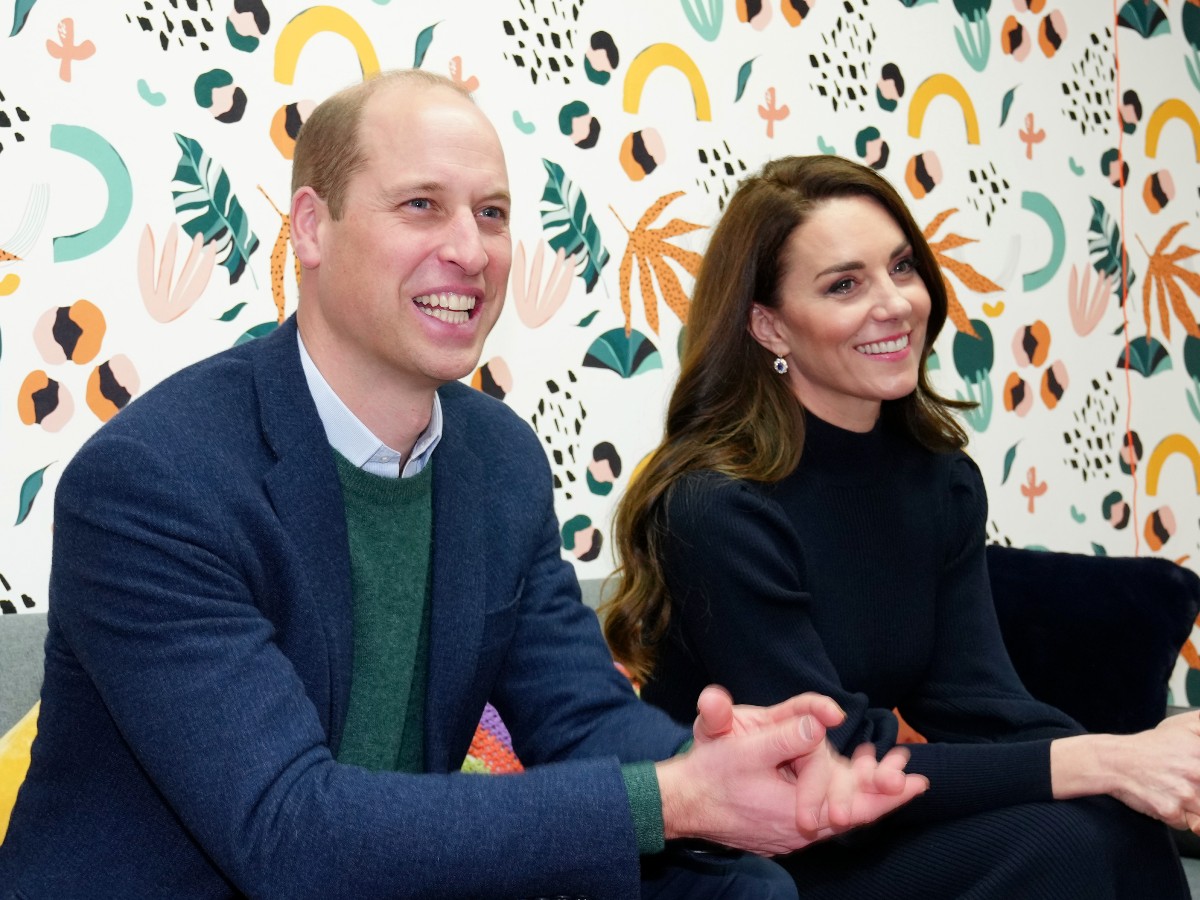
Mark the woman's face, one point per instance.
(852, 314)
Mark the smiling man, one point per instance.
(279, 604)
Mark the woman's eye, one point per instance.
(843, 286)
(906, 265)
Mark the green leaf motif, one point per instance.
(20, 14)
(570, 227)
(29, 491)
(587, 320)
(1104, 245)
(1007, 105)
(1146, 356)
(256, 332)
(1009, 458)
(743, 77)
(1191, 682)
(1191, 356)
(1098, 549)
(1193, 399)
(209, 208)
(1077, 516)
(705, 17)
(979, 392)
(975, 40)
(974, 356)
(230, 314)
(424, 39)
(1145, 17)
(1193, 69)
(1190, 20)
(627, 356)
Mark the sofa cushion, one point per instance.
(1096, 636)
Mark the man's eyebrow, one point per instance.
(410, 189)
(406, 190)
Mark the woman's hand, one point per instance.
(1155, 772)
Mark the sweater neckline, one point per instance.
(847, 457)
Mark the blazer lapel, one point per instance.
(306, 494)
(459, 579)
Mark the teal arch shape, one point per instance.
(92, 148)
(1040, 206)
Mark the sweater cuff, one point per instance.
(645, 803)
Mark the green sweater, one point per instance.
(390, 531)
(389, 525)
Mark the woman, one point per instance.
(810, 523)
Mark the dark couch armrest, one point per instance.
(1096, 636)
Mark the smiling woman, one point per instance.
(810, 522)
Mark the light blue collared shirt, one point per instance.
(351, 438)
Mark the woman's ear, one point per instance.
(307, 212)
(764, 328)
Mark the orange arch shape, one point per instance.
(301, 29)
(1167, 447)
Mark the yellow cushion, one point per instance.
(14, 762)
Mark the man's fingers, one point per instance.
(814, 774)
(825, 709)
(714, 713)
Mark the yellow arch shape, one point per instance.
(1167, 110)
(655, 57)
(1168, 446)
(303, 27)
(932, 87)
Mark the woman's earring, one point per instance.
(780, 365)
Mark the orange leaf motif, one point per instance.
(1164, 274)
(965, 273)
(651, 247)
(279, 259)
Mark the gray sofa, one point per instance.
(21, 639)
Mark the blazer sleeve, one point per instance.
(166, 626)
(735, 571)
(559, 692)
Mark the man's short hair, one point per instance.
(328, 151)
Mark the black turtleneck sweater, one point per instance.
(863, 576)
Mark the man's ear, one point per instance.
(308, 212)
(764, 328)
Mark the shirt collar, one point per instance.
(350, 437)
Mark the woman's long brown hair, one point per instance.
(730, 412)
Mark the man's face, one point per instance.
(412, 277)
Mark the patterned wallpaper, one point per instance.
(1049, 148)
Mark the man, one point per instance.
(266, 658)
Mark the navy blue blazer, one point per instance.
(199, 655)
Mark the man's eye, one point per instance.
(494, 212)
(420, 203)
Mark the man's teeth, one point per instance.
(454, 309)
(883, 346)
